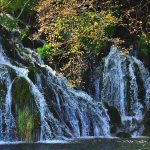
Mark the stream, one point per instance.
(84, 144)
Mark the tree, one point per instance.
(17, 6)
(76, 32)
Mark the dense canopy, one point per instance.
(78, 33)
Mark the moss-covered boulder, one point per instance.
(25, 110)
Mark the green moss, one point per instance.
(24, 33)
(21, 90)
(144, 42)
(8, 22)
(18, 5)
(25, 109)
(25, 125)
(45, 51)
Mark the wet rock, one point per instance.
(146, 122)
(123, 135)
(115, 118)
(31, 73)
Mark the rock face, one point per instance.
(37, 105)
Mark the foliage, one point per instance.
(24, 33)
(144, 42)
(12, 6)
(45, 51)
(134, 14)
(8, 22)
(77, 31)
(135, 20)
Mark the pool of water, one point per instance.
(83, 144)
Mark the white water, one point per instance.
(79, 110)
(119, 72)
(9, 119)
(76, 113)
(40, 101)
(114, 81)
(6, 134)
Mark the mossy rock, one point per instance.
(25, 110)
(21, 91)
(123, 135)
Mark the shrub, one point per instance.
(45, 51)
(12, 6)
(144, 42)
(8, 22)
(77, 31)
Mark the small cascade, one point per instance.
(145, 77)
(9, 119)
(124, 77)
(7, 122)
(40, 101)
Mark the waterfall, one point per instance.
(40, 101)
(9, 119)
(36, 103)
(145, 76)
(122, 81)
(6, 116)
(63, 112)
(113, 79)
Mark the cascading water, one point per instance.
(123, 78)
(36, 103)
(9, 119)
(62, 112)
(5, 113)
(40, 101)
